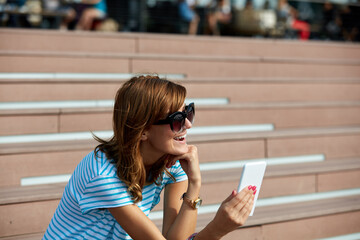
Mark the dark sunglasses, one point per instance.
(177, 119)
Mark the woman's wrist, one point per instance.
(196, 183)
(209, 233)
(195, 178)
(193, 190)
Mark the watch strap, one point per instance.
(190, 202)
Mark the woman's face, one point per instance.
(162, 140)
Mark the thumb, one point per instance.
(232, 195)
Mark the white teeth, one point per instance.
(180, 137)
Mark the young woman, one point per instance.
(113, 189)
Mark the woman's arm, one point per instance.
(179, 220)
(136, 223)
(179, 217)
(232, 214)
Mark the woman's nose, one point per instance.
(188, 124)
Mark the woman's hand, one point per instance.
(233, 213)
(189, 162)
(179, 217)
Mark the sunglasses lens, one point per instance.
(178, 123)
(190, 115)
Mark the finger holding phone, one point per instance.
(235, 210)
(233, 213)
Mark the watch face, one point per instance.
(198, 203)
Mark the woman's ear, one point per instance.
(144, 136)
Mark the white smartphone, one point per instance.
(252, 174)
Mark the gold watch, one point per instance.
(195, 204)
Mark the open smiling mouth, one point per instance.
(180, 138)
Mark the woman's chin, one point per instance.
(180, 149)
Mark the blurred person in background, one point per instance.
(219, 13)
(13, 20)
(330, 27)
(289, 14)
(187, 13)
(349, 24)
(83, 13)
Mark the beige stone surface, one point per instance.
(85, 122)
(15, 167)
(65, 42)
(233, 150)
(319, 227)
(235, 92)
(32, 124)
(231, 68)
(254, 233)
(290, 117)
(275, 92)
(245, 47)
(69, 64)
(335, 146)
(57, 91)
(26, 218)
(288, 185)
(338, 180)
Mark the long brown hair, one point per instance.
(139, 103)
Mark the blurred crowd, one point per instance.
(330, 22)
(61, 14)
(285, 19)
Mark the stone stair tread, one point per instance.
(269, 214)
(229, 106)
(31, 147)
(20, 194)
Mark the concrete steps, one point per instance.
(37, 40)
(48, 117)
(307, 93)
(280, 180)
(63, 155)
(342, 217)
(190, 65)
(314, 176)
(245, 90)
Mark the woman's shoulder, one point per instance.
(97, 164)
(177, 174)
(176, 167)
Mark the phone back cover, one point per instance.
(252, 174)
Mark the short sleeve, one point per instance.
(178, 173)
(104, 192)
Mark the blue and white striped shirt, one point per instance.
(92, 189)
